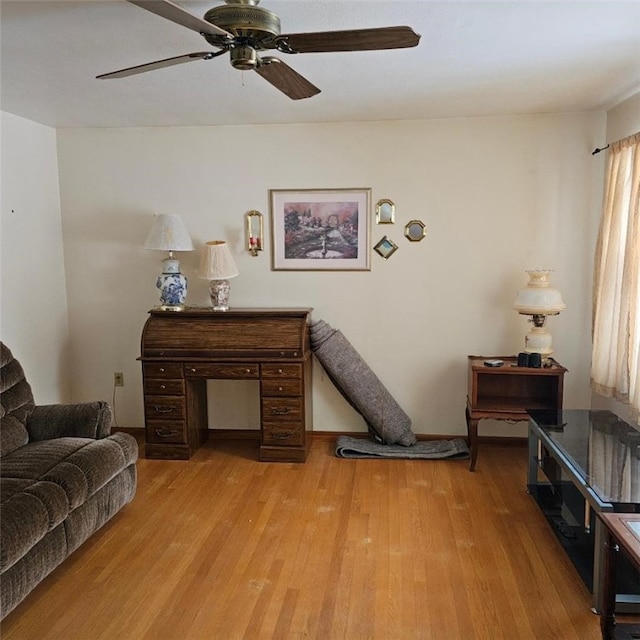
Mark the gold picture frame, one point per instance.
(385, 212)
(415, 230)
(386, 247)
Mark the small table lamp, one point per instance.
(539, 300)
(169, 234)
(218, 266)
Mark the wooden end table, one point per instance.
(622, 532)
(506, 392)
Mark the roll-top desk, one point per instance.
(180, 351)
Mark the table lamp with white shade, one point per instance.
(218, 266)
(169, 234)
(539, 300)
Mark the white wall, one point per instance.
(498, 195)
(622, 121)
(34, 301)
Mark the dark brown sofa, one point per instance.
(62, 476)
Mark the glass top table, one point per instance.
(583, 462)
(602, 451)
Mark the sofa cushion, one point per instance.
(30, 510)
(22, 577)
(16, 402)
(79, 466)
(100, 508)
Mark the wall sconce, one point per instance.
(255, 232)
(539, 300)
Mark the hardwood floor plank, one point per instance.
(226, 547)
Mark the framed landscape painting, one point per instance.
(320, 229)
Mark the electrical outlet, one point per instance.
(118, 379)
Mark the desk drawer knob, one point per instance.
(193, 370)
(247, 370)
(163, 386)
(280, 371)
(280, 389)
(161, 369)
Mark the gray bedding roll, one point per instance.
(363, 390)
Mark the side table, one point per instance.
(506, 392)
(622, 534)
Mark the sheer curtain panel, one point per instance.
(615, 363)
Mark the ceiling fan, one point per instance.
(243, 29)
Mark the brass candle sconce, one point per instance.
(255, 232)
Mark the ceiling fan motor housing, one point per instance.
(247, 22)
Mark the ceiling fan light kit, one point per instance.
(243, 29)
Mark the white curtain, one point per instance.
(613, 466)
(615, 364)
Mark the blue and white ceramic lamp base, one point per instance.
(172, 285)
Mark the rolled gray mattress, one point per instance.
(361, 388)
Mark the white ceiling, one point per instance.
(474, 58)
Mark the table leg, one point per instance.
(535, 456)
(472, 432)
(607, 615)
(600, 554)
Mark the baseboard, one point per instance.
(234, 434)
(254, 434)
(506, 441)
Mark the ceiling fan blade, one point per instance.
(354, 40)
(284, 78)
(159, 64)
(173, 12)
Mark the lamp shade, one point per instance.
(168, 233)
(216, 261)
(539, 297)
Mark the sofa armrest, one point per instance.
(85, 420)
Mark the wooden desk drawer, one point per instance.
(281, 370)
(289, 434)
(164, 407)
(275, 410)
(166, 431)
(164, 387)
(221, 371)
(284, 387)
(162, 369)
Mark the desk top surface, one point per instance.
(233, 311)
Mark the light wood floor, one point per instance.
(224, 547)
